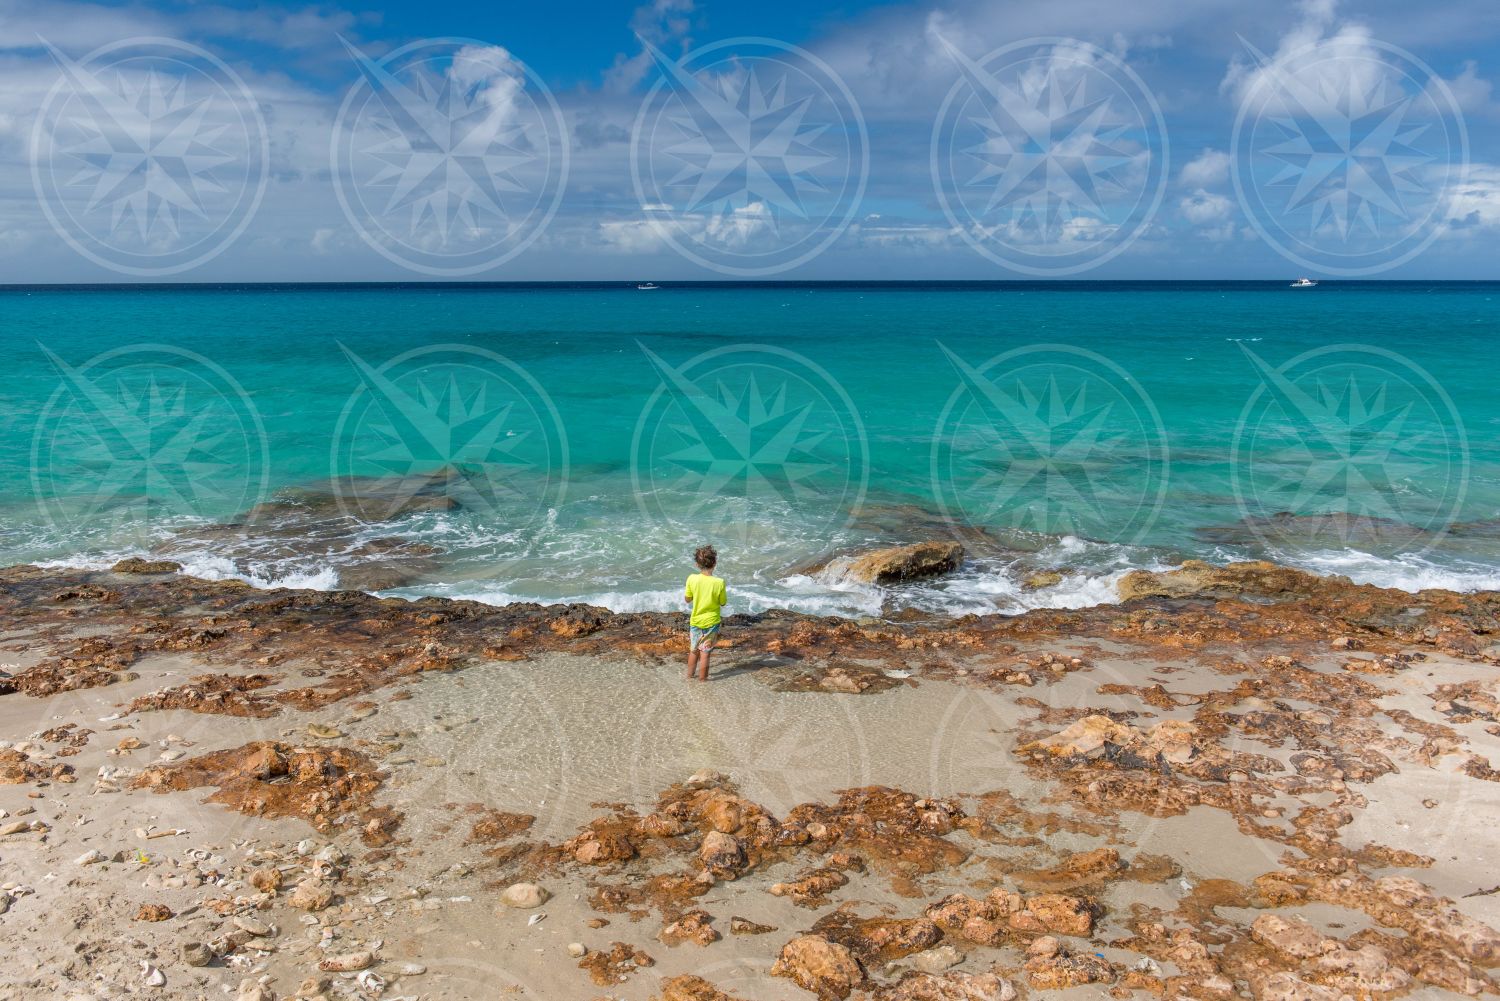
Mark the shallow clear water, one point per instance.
(578, 442)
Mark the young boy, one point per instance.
(706, 594)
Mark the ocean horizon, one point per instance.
(574, 441)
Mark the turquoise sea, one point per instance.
(576, 442)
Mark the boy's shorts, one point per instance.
(703, 638)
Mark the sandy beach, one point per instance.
(1239, 782)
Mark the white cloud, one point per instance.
(1476, 201)
(1472, 94)
(658, 22)
(1202, 208)
(1206, 170)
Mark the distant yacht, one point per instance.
(647, 286)
(1304, 283)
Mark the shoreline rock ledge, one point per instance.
(903, 563)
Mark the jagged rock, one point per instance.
(608, 969)
(1042, 579)
(811, 887)
(879, 940)
(692, 926)
(311, 895)
(267, 879)
(744, 926)
(1195, 578)
(721, 854)
(154, 912)
(815, 964)
(1059, 971)
(1295, 939)
(902, 563)
(1055, 912)
(692, 988)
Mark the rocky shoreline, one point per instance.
(1241, 781)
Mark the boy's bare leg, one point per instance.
(703, 654)
(692, 663)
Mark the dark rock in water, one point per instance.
(391, 563)
(1042, 579)
(139, 566)
(921, 559)
(894, 564)
(1336, 529)
(908, 521)
(367, 498)
(323, 524)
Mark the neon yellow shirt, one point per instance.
(707, 595)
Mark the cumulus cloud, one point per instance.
(1475, 203)
(1206, 170)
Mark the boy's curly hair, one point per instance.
(706, 557)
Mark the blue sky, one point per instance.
(1070, 138)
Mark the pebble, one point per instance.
(89, 857)
(577, 950)
(196, 954)
(524, 895)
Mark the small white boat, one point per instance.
(1304, 283)
(647, 287)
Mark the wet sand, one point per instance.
(1355, 798)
